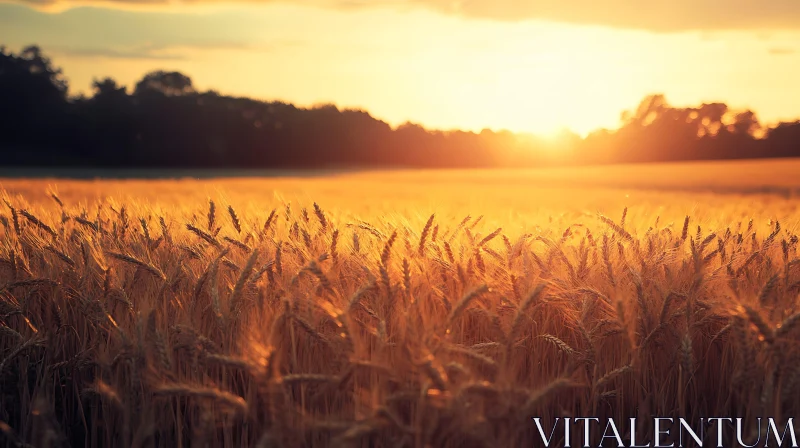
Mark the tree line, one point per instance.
(165, 122)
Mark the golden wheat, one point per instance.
(273, 329)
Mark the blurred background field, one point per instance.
(517, 200)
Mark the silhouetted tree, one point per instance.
(33, 103)
(746, 123)
(107, 88)
(167, 83)
(166, 122)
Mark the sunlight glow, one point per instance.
(451, 72)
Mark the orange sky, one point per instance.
(444, 64)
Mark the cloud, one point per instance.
(115, 53)
(176, 52)
(779, 51)
(119, 34)
(653, 15)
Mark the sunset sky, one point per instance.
(532, 66)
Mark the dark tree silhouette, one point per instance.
(107, 90)
(746, 123)
(34, 100)
(166, 122)
(166, 83)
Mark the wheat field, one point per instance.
(395, 309)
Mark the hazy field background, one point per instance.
(714, 192)
(395, 308)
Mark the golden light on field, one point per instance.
(419, 308)
(398, 306)
(520, 201)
